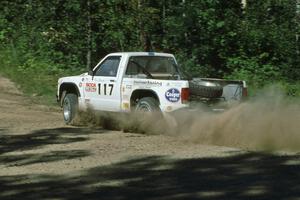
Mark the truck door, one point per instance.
(102, 90)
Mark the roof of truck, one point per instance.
(142, 54)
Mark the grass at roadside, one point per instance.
(35, 78)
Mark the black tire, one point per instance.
(145, 118)
(205, 89)
(147, 104)
(70, 107)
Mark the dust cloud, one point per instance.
(128, 122)
(268, 122)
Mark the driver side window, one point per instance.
(109, 67)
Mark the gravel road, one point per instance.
(41, 158)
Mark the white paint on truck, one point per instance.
(112, 90)
(119, 80)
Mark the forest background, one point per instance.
(256, 41)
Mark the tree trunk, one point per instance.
(144, 36)
(89, 37)
(298, 26)
(184, 16)
(244, 3)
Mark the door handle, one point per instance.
(112, 80)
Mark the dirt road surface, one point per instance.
(41, 158)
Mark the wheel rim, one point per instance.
(67, 110)
(144, 108)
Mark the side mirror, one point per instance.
(90, 73)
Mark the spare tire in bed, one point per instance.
(207, 89)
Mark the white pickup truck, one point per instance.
(141, 81)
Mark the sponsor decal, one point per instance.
(126, 106)
(90, 84)
(172, 95)
(149, 83)
(90, 87)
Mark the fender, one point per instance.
(68, 87)
(140, 93)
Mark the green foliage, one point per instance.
(35, 77)
(291, 89)
(271, 29)
(210, 38)
(206, 32)
(251, 70)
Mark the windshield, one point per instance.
(155, 67)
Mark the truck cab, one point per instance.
(121, 82)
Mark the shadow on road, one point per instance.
(27, 159)
(36, 139)
(246, 176)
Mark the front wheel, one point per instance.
(70, 107)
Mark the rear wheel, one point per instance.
(70, 107)
(147, 105)
(146, 117)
